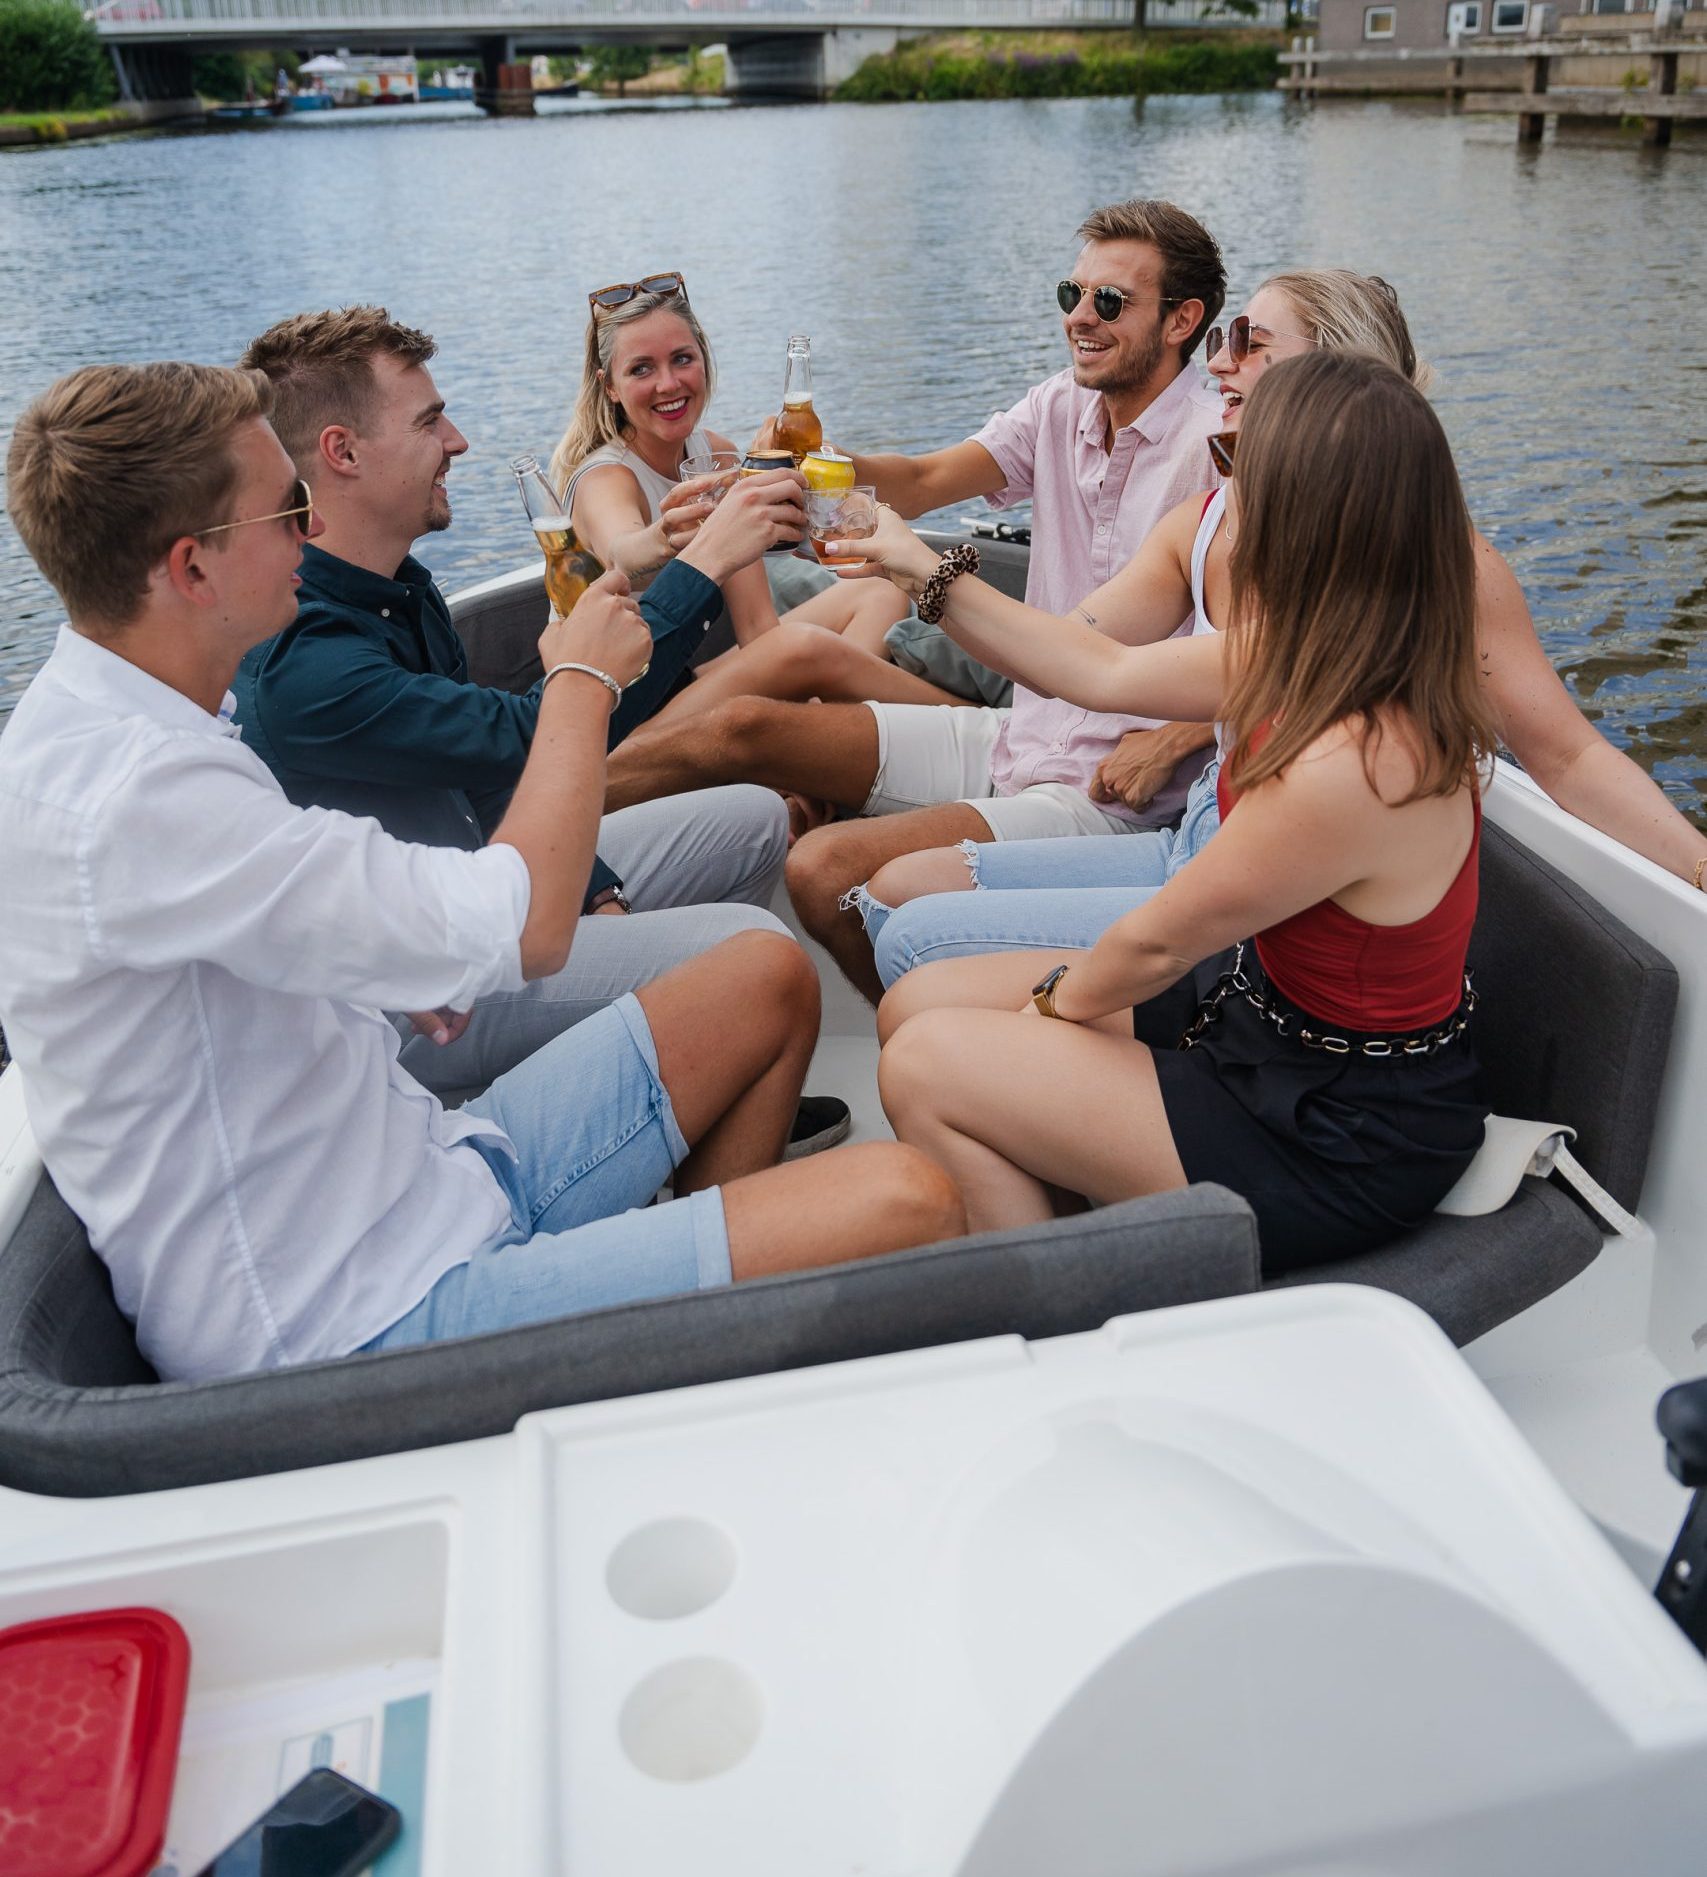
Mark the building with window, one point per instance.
(1417, 25)
(1413, 27)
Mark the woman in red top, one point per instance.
(1328, 1073)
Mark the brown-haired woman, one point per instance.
(1332, 1080)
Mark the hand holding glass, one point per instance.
(719, 463)
(835, 517)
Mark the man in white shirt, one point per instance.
(192, 970)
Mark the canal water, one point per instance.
(1555, 290)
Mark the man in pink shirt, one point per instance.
(1103, 451)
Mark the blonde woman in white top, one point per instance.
(645, 385)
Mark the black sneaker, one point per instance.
(819, 1122)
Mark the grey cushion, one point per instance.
(501, 636)
(1576, 1013)
(928, 651)
(1470, 1275)
(81, 1414)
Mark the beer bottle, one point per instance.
(569, 568)
(797, 428)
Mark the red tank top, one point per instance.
(1374, 977)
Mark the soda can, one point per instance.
(826, 471)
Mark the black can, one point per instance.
(755, 463)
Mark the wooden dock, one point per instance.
(1657, 105)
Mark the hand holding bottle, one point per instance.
(605, 630)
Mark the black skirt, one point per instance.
(1335, 1153)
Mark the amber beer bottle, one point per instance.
(797, 427)
(569, 568)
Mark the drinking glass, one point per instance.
(719, 463)
(841, 515)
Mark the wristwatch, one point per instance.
(1043, 995)
(609, 896)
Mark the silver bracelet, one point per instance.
(592, 671)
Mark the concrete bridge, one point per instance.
(777, 48)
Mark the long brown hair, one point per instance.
(1353, 575)
(597, 418)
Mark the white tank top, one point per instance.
(653, 487)
(1214, 510)
(1201, 623)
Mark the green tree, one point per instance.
(616, 65)
(50, 58)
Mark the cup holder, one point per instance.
(691, 1719)
(671, 1568)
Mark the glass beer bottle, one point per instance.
(797, 427)
(569, 568)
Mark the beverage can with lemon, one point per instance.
(827, 471)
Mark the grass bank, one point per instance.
(61, 126)
(1064, 65)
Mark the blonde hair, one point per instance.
(1353, 575)
(597, 418)
(1347, 312)
(111, 465)
(321, 369)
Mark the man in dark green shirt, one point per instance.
(364, 703)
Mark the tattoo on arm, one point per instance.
(1085, 613)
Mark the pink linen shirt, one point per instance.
(1091, 509)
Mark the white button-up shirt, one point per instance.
(192, 976)
(1092, 504)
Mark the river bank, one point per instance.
(952, 66)
(21, 129)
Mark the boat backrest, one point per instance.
(82, 1415)
(500, 622)
(1575, 1018)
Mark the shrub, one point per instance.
(1097, 70)
(50, 58)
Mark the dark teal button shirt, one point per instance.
(364, 702)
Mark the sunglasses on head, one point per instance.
(625, 290)
(301, 510)
(1236, 336)
(1108, 303)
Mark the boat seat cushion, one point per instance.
(82, 1415)
(1470, 1275)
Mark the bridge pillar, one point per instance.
(152, 74)
(506, 87)
(802, 65)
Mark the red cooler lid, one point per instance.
(90, 1711)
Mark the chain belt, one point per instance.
(1289, 1022)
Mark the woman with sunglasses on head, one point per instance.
(1330, 1076)
(1012, 895)
(646, 381)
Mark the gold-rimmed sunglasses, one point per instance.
(625, 290)
(301, 510)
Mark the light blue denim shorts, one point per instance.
(595, 1137)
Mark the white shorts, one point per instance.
(930, 753)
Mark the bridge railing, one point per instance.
(117, 19)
